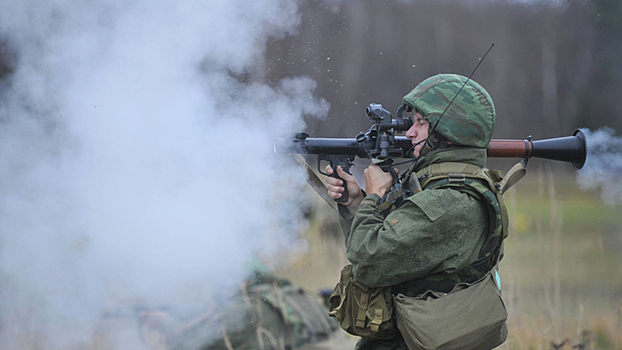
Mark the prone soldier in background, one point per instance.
(435, 251)
(268, 313)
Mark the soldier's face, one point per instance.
(418, 132)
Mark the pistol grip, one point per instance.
(386, 165)
(336, 160)
(344, 162)
(345, 195)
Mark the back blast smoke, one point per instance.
(603, 168)
(135, 169)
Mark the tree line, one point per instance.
(555, 66)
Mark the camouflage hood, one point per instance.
(469, 121)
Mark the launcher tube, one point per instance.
(510, 149)
(571, 149)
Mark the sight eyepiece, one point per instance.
(381, 117)
(401, 124)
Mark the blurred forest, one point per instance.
(555, 65)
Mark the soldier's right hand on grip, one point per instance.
(337, 187)
(345, 196)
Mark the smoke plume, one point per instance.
(136, 161)
(603, 167)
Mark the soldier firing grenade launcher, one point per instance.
(381, 145)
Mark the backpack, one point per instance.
(269, 314)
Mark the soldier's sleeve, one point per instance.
(345, 219)
(434, 231)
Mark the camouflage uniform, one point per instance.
(442, 235)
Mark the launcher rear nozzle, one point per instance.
(572, 149)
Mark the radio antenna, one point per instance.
(458, 93)
(425, 141)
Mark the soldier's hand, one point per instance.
(377, 181)
(335, 188)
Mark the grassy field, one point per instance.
(562, 271)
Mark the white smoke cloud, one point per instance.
(603, 166)
(134, 165)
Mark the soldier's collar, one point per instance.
(469, 155)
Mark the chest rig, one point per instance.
(483, 185)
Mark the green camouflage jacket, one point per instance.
(433, 235)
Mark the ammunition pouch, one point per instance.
(361, 310)
(471, 316)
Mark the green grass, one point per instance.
(577, 213)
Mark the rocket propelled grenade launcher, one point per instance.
(572, 149)
(382, 146)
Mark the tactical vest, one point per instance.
(481, 184)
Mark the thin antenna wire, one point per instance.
(416, 160)
(458, 93)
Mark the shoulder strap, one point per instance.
(477, 182)
(456, 174)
